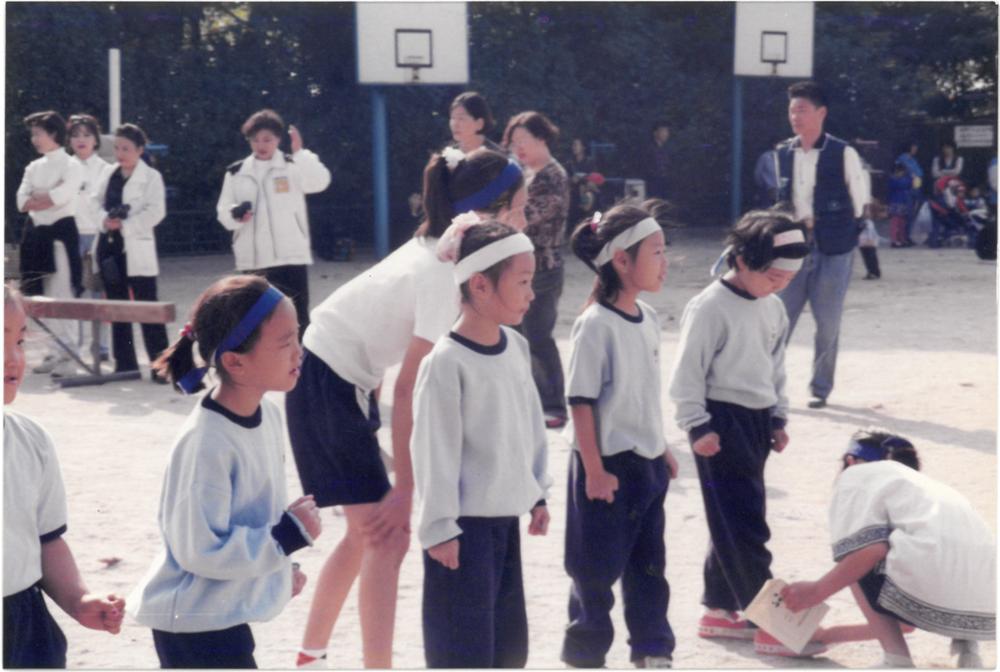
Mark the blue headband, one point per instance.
(260, 310)
(866, 451)
(488, 194)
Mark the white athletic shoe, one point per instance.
(968, 653)
(49, 363)
(64, 369)
(895, 661)
(655, 663)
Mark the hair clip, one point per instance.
(452, 156)
(595, 221)
(187, 331)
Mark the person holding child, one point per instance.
(227, 532)
(333, 413)
(912, 550)
(479, 455)
(728, 384)
(36, 557)
(263, 202)
(620, 466)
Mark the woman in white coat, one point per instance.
(263, 202)
(132, 202)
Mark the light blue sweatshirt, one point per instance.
(223, 492)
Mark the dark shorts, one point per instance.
(231, 648)
(871, 585)
(31, 637)
(335, 446)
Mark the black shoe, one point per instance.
(817, 402)
(157, 378)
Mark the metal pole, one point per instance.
(114, 89)
(380, 172)
(737, 167)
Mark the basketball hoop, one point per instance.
(414, 50)
(774, 48)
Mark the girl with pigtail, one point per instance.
(227, 533)
(479, 456)
(620, 465)
(390, 314)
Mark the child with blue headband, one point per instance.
(913, 551)
(226, 530)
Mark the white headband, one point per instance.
(626, 239)
(493, 253)
(792, 237)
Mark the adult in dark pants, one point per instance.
(132, 202)
(530, 135)
(263, 202)
(823, 178)
(657, 163)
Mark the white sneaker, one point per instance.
(968, 653)
(64, 369)
(655, 663)
(895, 661)
(48, 364)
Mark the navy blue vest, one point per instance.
(836, 231)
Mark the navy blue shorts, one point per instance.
(871, 585)
(31, 637)
(231, 648)
(335, 446)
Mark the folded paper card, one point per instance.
(792, 628)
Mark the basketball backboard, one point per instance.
(412, 43)
(773, 39)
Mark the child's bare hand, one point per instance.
(707, 446)
(295, 137)
(446, 553)
(539, 524)
(801, 595)
(671, 463)
(299, 579)
(100, 613)
(304, 509)
(780, 440)
(112, 224)
(602, 485)
(247, 216)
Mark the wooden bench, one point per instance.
(96, 311)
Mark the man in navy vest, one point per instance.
(821, 176)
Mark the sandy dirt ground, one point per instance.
(918, 356)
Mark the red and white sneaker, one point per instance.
(719, 623)
(766, 645)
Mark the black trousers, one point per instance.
(31, 637)
(293, 281)
(229, 648)
(732, 487)
(621, 540)
(117, 285)
(474, 616)
(870, 256)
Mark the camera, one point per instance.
(239, 211)
(119, 211)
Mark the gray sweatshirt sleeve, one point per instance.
(436, 449)
(197, 522)
(702, 335)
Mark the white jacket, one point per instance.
(278, 232)
(145, 194)
(87, 209)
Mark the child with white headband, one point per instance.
(479, 458)
(620, 466)
(728, 385)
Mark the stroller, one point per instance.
(952, 224)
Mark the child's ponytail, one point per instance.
(437, 204)
(177, 360)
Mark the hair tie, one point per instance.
(452, 156)
(187, 331)
(451, 240)
(257, 313)
(595, 220)
(485, 196)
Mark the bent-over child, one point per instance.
(913, 551)
(479, 458)
(227, 534)
(728, 385)
(36, 557)
(620, 466)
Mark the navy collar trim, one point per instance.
(249, 422)
(494, 349)
(636, 319)
(737, 291)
